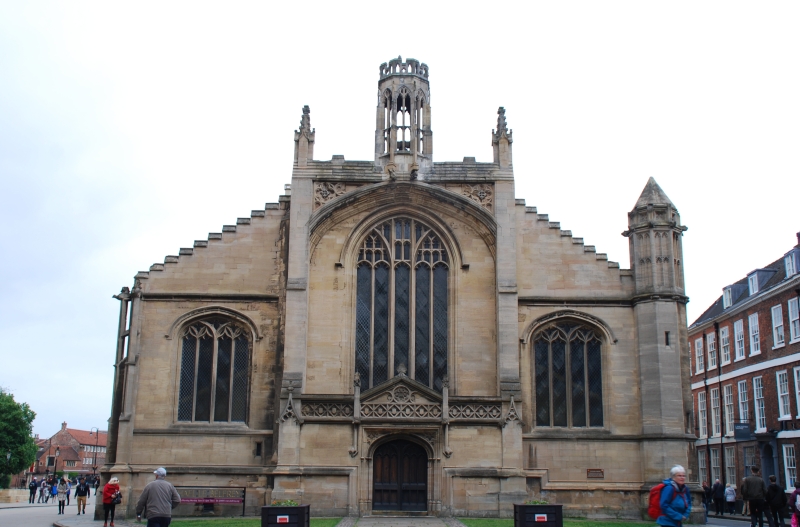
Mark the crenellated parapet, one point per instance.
(409, 67)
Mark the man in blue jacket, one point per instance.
(676, 502)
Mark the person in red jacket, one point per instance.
(110, 490)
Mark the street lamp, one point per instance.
(96, 439)
(58, 453)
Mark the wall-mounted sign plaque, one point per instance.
(595, 473)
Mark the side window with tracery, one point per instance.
(568, 376)
(401, 304)
(215, 358)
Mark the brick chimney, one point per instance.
(64, 425)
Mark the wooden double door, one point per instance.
(400, 477)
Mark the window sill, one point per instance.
(739, 359)
(759, 430)
(785, 418)
(711, 368)
(779, 346)
(725, 363)
(794, 341)
(754, 354)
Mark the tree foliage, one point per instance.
(16, 434)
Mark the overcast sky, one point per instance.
(128, 130)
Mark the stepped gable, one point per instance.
(556, 229)
(234, 269)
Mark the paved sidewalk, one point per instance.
(401, 521)
(85, 520)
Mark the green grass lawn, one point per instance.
(244, 522)
(509, 522)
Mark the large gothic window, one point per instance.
(568, 376)
(215, 357)
(401, 304)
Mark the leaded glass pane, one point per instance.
(240, 369)
(222, 395)
(593, 366)
(186, 393)
(422, 334)
(439, 325)
(363, 320)
(205, 363)
(542, 372)
(380, 365)
(578, 382)
(559, 382)
(402, 317)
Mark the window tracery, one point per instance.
(568, 376)
(215, 358)
(401, 304)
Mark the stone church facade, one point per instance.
(405, 335)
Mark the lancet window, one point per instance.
(568, 376)
(401, 304)
(215, 358)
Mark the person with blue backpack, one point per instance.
(675, 501)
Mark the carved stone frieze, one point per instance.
(482, 194)
(401, 411)
(475, 411)
(318, 409)
(325, 192)
(372, 435)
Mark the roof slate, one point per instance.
(716, 309)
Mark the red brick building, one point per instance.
(70, 450)
(745, 360)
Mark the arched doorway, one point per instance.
(400, 477)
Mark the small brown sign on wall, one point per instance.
(595, 473)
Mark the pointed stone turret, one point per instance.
(304, 140)
(653, 195)
(501, 140)
(655, 231)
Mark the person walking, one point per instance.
(82, 491)
(54, 489)
(43, 491)
(69, 489)
(110, 491)
(730, 498)
(157, 500)
(794, 502)
(754, 490)
(33, 486)
(62, 490)
(96, 484)
(718, 491)
(676, 502)
(776, 501)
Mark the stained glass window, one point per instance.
(401, 304)
(567, 376)
(215, 356)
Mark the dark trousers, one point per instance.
(32, 497)
(719, 506)
(777, 519)
(158, 521)
(757, 507)
(108, 507)
(731, 507)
